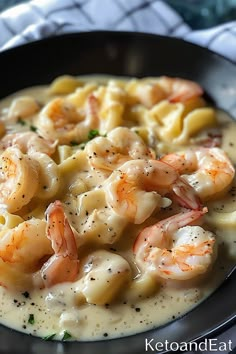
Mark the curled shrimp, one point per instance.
(172, 250)
(25, 245)
(136, 189)
(208, 170)
(179, 90)
(17, 172)
(63, 265)
(13, 278)
(59, 119)
(62, 121)
(22, 251)
(22, 107)
(173, 89)
(120, 145)
(28, 142)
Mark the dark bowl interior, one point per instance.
(130, 54)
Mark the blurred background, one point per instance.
(205, 13)
(198, 14)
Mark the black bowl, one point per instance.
(127, 54)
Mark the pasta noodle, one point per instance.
(64, 84)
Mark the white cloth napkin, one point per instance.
(43, 18)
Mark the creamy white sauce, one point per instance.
(54, 311)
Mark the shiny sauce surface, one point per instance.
(61, 308)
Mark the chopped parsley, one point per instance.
(31, 319)
(93, 133)
(66, 335)
(33, 128)
(49, 337)
(73, 143)
(21, 121)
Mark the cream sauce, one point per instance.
(54, 310)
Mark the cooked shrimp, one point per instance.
(172, 250)
(22, 107)
(28, 142)
(120, 145)
(22, 251)
(174, 89)
(17, 173)
(208, 170)
(13, 278)
(63, 266)
(135, 190)
(179, 90)
(60, 120)
(25, 245)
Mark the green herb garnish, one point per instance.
(21, 121)
(49, 337)
(31, 319)
(74, 143)
(93, 133)
(33, 128)
(66, 335)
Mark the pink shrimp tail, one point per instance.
(181, 219)
(63, 266)
(184, 91)
(92, 111)
(186, 196)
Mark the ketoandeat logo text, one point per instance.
(212, 345)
